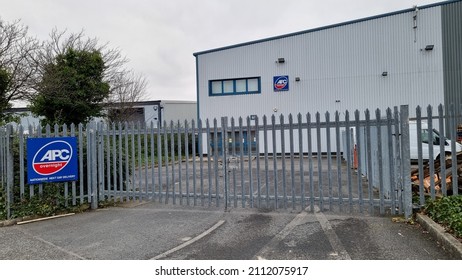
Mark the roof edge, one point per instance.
(325, 27)
(135, 103)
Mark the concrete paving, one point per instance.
(447, 240)
(157, 231)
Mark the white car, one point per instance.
(426, 142)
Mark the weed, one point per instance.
(448, 212)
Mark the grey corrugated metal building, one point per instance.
(413, 57)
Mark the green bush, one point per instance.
(448, 212)
(50, 202)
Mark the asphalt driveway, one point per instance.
(151, 230)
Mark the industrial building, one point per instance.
(411, 57)
(160, 112)
(143, 112)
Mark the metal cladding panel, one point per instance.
(340, 68)
(452, 53)
(179, 111)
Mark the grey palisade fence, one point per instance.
(315, 162)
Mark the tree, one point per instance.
(125, 87)
(17, 63)
(126, 90)
(72, 89)
(4, 82)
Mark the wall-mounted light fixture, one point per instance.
(297, 79)
(429, 47)
(384, 73)
(281, 60)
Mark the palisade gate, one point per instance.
(320, 162)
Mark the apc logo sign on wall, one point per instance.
(281, 83)
(52, 160)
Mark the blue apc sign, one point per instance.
(52, 160)
(281, 83)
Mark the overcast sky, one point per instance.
(160, 37)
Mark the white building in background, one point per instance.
(408, 57)
(178, 111)
(163, 112)
(144, 112)
(26, 118)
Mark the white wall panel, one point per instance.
(179, 111)
(342, 63)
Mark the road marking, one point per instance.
(281, 235)
(197, 238)
(53, 245)
(331, 236)
(336, 244)
(44, 219)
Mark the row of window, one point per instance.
(235, 86)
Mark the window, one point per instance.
(235, 86)
(216, 87)
(426, 137)
(241, 86)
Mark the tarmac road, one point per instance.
(150, 230)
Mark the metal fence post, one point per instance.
(100, 153)
(406, 162)
(452, 131)
(9, 170)
(224, 133)
(92, 162)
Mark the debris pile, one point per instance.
(441, 174)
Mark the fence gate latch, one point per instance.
(233, 163)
